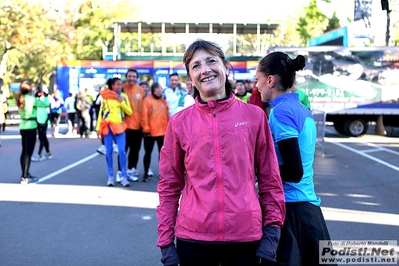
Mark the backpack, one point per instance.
(79, 104)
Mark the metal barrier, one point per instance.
(320, 121)
(12, 112)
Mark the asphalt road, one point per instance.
(72, 218)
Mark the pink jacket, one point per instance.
(211, 156)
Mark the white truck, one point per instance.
(354, 86)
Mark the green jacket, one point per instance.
(28, 113)
(303, 98)
(42, 114)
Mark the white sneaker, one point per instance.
(48, 156)
(37, 158)
(118, 177)
(125, 182)
(102, 150)
(110, 181)
(115, 148)
(132, 175)
(150, 173)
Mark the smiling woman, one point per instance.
(199, 162)
(208, 70)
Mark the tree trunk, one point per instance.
(4, 57)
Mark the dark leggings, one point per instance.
(148, 147)
(42, 132)
(28, 140)
(133, 145)
(215, 254)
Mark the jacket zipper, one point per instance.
(219, 175)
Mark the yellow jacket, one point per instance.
(112, 112)
(136, 96)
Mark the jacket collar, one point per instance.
(284, 97)
(108, 94)
(215, 105)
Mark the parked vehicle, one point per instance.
(353, 85)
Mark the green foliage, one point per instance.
(333, 22)
(312, 23)
(34, 37)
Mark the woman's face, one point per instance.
(158, 91)
(240, 87)
(208, 74)
(264, 86)
(117, 86)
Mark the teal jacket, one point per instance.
(42, 114)
(28, 113)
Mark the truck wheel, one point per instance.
(339, 127)
(355, 127)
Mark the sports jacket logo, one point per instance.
(238, 124)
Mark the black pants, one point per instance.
(215, 254)
(148, 147)
(55, 119)
(28, 140)
(304, 226)
(42, 132)
(92, 111)
(84, 122)
(133, 145)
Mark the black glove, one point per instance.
(169, 255)
(147, 135)
(268, 245)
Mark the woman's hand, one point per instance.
(120, 99)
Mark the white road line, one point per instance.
(381, 148)
(372, 150)
(346, 215)
(121, 197)
(47, 177)
(396, 168)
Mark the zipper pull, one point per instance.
(214, 113)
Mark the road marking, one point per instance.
(127, 197)
(396, 168)
(381, 148)
(47, 177)
(372, 150)
(354, 216)
(76, 194)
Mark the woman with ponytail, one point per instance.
(294, 132)
(27, 108)
(111, 126)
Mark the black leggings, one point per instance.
(28, 140)
(133, 145)
(148, 147)
(215, 254)
(42, 132)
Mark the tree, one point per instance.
(333, 22)
(25, 47)
(312, 23)
(90, 23)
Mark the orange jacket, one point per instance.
(155, 116)
(136, 95)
